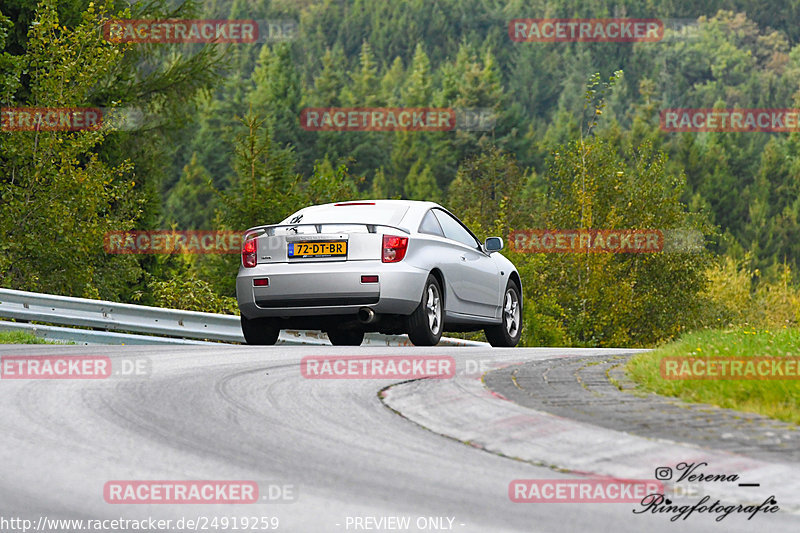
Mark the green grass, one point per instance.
(21, 337)
(778, 399)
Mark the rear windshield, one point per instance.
(349, 214)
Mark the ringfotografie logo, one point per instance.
(686, 472)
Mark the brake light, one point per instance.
(249, 253)
(353, 203)
(394, 248)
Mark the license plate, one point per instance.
(317, 249)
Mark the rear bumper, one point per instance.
(329, 288)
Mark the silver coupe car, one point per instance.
(391, 266)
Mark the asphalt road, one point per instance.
(247, 413)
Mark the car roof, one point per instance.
(418, 204)
(394, 211)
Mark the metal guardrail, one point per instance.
(90, 336)
(159, 325)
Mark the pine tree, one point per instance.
(418, 89)
(392, 84)
(384, 186)
(364, 80)
(328, 83)
(421, 185)
(191, 203)
(264, 187)
(276, 93)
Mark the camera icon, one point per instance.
(663, 473)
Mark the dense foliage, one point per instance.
(222, 147)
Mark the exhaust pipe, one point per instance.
(366, 315)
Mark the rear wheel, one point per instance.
(507, 334)
(260, 331)
(425, 323)
(346, 337)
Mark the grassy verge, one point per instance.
(778, 399)
(20, 337)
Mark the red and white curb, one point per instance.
(462, 408)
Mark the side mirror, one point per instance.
(493, 244)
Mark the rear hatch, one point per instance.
(339, 232)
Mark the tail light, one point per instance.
(249, 253)
(394, 248)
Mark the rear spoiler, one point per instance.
(269, 229)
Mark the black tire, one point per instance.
(346, 337)
(507, 334)
(260, 331)
(424, 324)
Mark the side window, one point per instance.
(431, 225)
(454, 230)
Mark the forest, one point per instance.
(577, 141)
